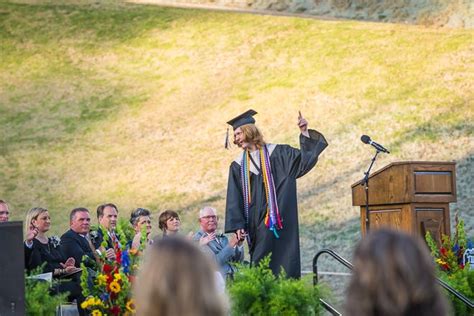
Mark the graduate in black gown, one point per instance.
(261, 200)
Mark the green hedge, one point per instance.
(256, 291)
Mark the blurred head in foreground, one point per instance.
(393, 275)
(176, 278)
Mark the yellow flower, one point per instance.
(117, 277)
(130, 306)
(97, 301)
(96, 312)
(115, 286)
(439, 261)
(89, 302)
(101, 279)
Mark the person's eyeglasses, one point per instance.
(209, 217)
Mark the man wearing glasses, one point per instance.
(4, 211)
(224, 250)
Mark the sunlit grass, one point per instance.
(128, 103)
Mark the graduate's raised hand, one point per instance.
(302, 123)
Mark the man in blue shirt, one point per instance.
(225, 250)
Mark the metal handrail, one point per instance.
(325, 304)
(333, 254)
(329, 308)
(350, 266)
(458, 295)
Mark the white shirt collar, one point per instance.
(256, 158)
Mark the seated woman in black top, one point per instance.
(39, 250)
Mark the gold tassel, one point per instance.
(227, 144)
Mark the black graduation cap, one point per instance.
(236, 122)
(242, 119)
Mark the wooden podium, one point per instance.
(412, 196)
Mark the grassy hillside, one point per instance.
(128, 103)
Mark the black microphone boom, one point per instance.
(366, 140)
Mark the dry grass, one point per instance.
(128, 103)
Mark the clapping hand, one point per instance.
(31, 234)
(206, 239)
(234, 240)
(70, 262)
(110, 254)
(190, 235)
(69, 265)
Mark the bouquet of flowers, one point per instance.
(108, 290)
(450, 260)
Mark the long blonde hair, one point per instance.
(32, 215)
(252, 135)
(176, 278)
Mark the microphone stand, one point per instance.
(365, 183)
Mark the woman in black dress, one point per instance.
(41, 250)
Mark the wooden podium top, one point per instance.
(409, 182)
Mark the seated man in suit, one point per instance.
(76, 241)
(4, 211)
(224, 250)
(107, 215)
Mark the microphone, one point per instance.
(366, 140)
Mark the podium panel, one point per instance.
(433, 219)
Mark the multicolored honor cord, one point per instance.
(245, 179)
(272, 216)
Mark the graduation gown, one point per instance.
(287, 165)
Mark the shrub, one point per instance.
(449, 260)
(38, 297)
(256, 291)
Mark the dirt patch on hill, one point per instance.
(440, 13)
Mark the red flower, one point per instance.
(115, 310)
(109, 279)
(113, 296)
(108, 268)
(118, 257)
(443, 251)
